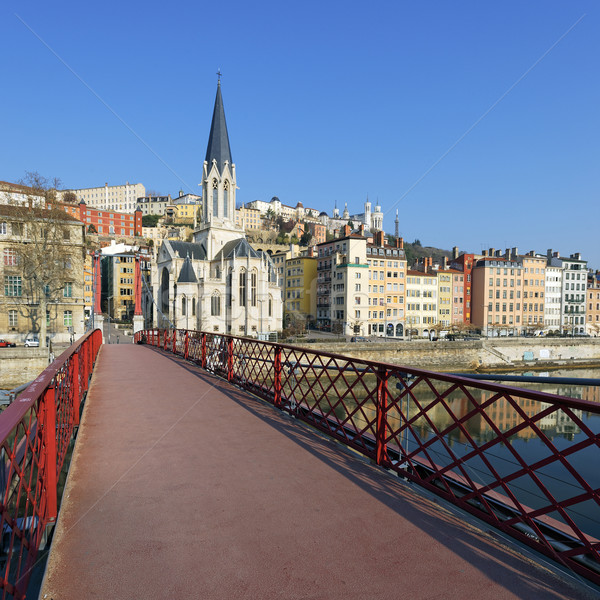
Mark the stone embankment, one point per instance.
(493, 354)
(21, 365)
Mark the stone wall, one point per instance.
(471, 355)
(21, 365)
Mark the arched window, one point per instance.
(243, 288)
(215, 194)
(193, 307)
(215, 305)
(253, 282)
(225, 199)
(270, 306)
(183, 307)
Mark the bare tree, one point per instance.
(48, 249)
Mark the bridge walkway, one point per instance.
(182, 486)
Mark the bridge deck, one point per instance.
(184, 487)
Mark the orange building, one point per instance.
(106, 222)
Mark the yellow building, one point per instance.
(386, 288)
(248, 218)
(300, 298)
(421, 303)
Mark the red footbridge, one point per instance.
(210, 466)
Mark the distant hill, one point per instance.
(414, 251)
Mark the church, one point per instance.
(218, 283)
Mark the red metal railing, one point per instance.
(36, 430)
(523, 461)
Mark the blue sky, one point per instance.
(325, 102)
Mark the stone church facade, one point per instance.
(218, 283)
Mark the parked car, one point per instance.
(32, 341)
(358, 338)
(5, 344)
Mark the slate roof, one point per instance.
(191, 249)
(187, 275)
(218, 141)
(240, 248)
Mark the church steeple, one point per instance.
(218, 142)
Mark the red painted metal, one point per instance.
(472, 459)
(381, 436)
(35, 432)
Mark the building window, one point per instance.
(183, 306)
(225, 199)
(11, 258)
(12, 318)
(68, 318)
(12, 285)
(254, 278)
(215, 195)
(270, 306)
(3, 228)
(215, 305)
(68, 290)
(242, 288)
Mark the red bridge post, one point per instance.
(49, 439)
(203, 352)
(381, 447)
(230, 359)
(76, 395)
(277, 372)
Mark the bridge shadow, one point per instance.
(461, 533)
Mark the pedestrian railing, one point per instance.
(526, 462)
(35, 433)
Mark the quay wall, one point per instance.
(21, 365)
(482, 355)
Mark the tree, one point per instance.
(305, 239)
(70, 198)
(92, 228)
(49, 255)
(150, 220)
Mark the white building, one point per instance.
(553, 298)
(574, 286)
(218, 282)
(121, 198)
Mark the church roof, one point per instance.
(218, 141)
(239, 248)
(189, 249)
(187, 275)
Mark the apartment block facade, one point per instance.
(121, 198)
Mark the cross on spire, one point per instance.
(219, 75)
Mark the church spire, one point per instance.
(218, 141)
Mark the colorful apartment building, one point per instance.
(421, 303)
(121, 198)
(300, 290)
(497, 285)
(342, 284)
(106, 222)
(464, 263)
(534, 288)
(593, 308)
(386, 287)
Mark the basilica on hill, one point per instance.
(217, 283)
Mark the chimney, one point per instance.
(311, 251)
(401, 242)
(498, 253)
(379, 238)
(346, 230)
(492, 251)
(361, 229)
(556, 255)
(515, 252)
(455, 253)
(445, 263)
(484, 252)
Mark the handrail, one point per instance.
(35, 433)
(460, 438)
